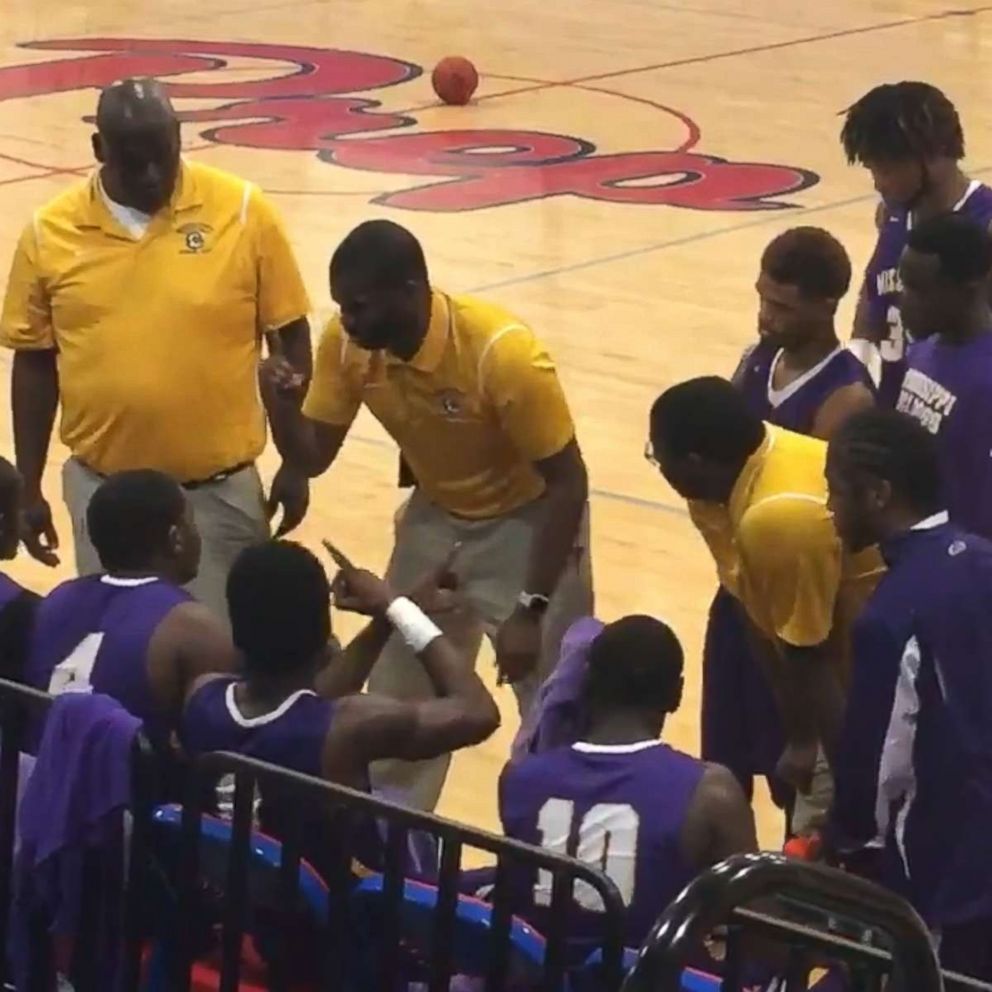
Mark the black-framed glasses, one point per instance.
(649, 454)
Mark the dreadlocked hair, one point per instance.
(894, 447)
(898, 121)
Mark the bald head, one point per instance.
(137, 144)
(10, 509)
(133, 103)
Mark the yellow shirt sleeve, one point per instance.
(282, 297)
(518, 375)
(26, 323)
(790, 569)
(334, 397)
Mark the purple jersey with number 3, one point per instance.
(796, 405)
(92, 635)
(621, 808)
(883, 286)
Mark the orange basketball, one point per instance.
(454, 80)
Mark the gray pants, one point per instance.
(492, 568)
(230, 516)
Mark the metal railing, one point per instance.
(808, 916)
(348, 813)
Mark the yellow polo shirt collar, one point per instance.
(186, 196)
(431, 350)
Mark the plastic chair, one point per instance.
(264, 857)
(472, 926)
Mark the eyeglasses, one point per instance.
(650, 456)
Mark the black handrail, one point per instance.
(21, 707)
(713, 897)
(453, 837)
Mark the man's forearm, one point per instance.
(348, 671)
(291, 433)
(297, 347)
(554, 540)
(34, 400)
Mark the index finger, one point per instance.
(339, 557)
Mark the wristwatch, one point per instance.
(533, 601)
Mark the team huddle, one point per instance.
(844, 492)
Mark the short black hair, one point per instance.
(812, 260)
(895, 447)
(635, 663)
(278, 598)
(900, 121)
(708, 417)
(385, 253)
(130, 516)
(960, 243)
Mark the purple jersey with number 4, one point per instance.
(617, 807)
(948, 388)
(92, 635)
(883, 286)
(796, 405)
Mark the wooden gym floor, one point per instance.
(556, 192)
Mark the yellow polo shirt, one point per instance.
(158, 337)
(776, 548)
(472, 411)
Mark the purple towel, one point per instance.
(556, 718)
(72, 805)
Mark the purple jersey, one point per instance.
(619, 807)
(948, 388)
(913, 768)
(292, 735)
(9, 590)
(92, 635)
(883, 286)
(796, 405)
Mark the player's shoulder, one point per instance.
(530, 769)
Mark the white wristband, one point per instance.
(412, 624)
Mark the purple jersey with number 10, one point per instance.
(620, 808)
(796, 405)
(883, 286)
(92, 635)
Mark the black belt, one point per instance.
(224, 473)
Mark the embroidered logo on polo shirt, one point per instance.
(451, 402)
(956, 548)
(195, 238)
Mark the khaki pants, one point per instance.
(230, 516)
(811, 809)
(492, 568)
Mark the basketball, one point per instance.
(454, 80)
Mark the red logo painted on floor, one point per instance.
(312, 108)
